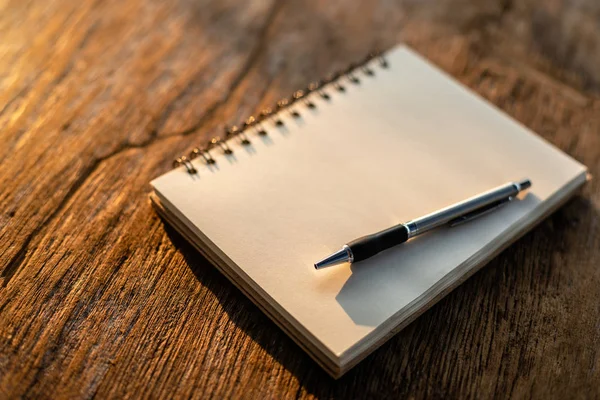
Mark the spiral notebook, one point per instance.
(390, 139)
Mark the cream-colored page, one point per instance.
(401, 144)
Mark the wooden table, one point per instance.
(98, 298)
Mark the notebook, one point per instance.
(388, 140)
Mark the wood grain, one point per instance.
(98, 298)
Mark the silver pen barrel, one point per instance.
(441, 217)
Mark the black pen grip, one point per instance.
(367, 246)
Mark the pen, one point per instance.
(367, 246)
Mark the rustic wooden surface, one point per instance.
(98, 298)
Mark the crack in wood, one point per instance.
(244, 71)
(19, 258)
(16, 261)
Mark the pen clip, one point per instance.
(479, 212)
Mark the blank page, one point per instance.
(401, 144)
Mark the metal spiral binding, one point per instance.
(338, 80)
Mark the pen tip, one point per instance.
(339, 257)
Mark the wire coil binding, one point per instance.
(338, 80)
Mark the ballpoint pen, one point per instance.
(367, 246)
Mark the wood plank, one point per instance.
(99, 298)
